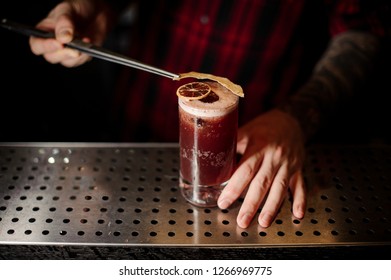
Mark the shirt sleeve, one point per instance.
(356, 29)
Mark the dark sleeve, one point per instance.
(356, 37)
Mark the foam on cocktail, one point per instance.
(225, 103)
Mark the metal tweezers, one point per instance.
(90, 49)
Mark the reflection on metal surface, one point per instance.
(128, 195)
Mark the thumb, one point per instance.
(64, 28)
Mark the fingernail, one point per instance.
(299, 214)
(224, 204)
(65, 34)
(265, 219)
(245, 220)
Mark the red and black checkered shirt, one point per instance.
(268, 47)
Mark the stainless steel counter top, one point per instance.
(97, 194)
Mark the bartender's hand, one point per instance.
(272, 148)
(88, 20)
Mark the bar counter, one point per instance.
(122, 201)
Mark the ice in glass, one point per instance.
(207, 140)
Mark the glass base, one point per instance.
(201, 195)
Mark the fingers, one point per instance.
(60, 22)
(240, 179)
(278, 191)
(298, 191)
(257, 190)
(266, 177)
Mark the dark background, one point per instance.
(41, 102)
(45, 102)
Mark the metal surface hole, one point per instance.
(348, 220)
(244, 233)
(279, 221)
(328, 210)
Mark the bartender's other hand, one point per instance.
(67, 20)
(272, 148)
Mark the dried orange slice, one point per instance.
(193, 91)
(234, 88)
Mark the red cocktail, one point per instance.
(207, 138)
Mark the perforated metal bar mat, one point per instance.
(128, 195)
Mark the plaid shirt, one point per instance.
(268, 47)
